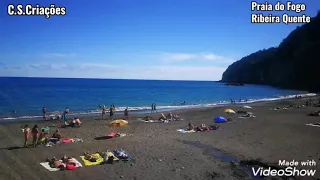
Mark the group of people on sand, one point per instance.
(240, 100)
(112, 109)
(153, 108)
(38, 136)
(169, 117)
(201, 127)
(61, 163)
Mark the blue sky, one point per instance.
(140, 39)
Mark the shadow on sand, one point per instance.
(102, 138)
(15, 147)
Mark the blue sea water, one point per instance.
(27, 96)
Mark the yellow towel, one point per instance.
(88, 163)
(114, 157)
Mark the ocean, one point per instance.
(23, 98)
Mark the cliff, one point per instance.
(294, 64)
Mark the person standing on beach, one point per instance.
(126, 114)
(35, 135)
(44, 113)
(27, 133)
(111, 112)
(104, 112)
(155, 107)
(152, 108)
(64, 115)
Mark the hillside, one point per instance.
(293, 64)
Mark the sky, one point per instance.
(135, 39)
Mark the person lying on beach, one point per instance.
(162, 117)
(90, 157)
(202, 128)
(56, 163)
(190, 127)
(105, 157)
(317, 113)
(69, 160)
(42, 136)
(176, 118)
(75, 122)
(27, 134)
(57, 134)
(241, 112)
(35, 135)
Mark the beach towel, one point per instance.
(185, 131)
(150, 121)
(112, 135)
(314, 125)
(88, 163)
(117, 154)
(47, 166)
(67, 140)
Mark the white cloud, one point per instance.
(116, 72)
(181, 57)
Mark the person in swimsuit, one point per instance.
(126, 114)
(42, 136)
(75, 122)
(104, 112)
(35, 135)
(44, 113)
(152, 107)
(155, 107)
(57, 134)
(64, 114)
(55, 163)
(90, 157)
(190, 127)
(27, 134)
(111, 112)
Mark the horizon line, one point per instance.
(107, 78)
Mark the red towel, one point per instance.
(111, 135)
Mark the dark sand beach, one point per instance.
(160, 152)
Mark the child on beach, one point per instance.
(35, 135)
(27, 134)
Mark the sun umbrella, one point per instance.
(230, 111)
(118, 123)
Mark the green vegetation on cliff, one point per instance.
(294, 64)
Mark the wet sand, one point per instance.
(158, 149)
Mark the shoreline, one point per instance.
(139, 113)
(145, 109)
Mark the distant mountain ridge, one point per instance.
(294, 64)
